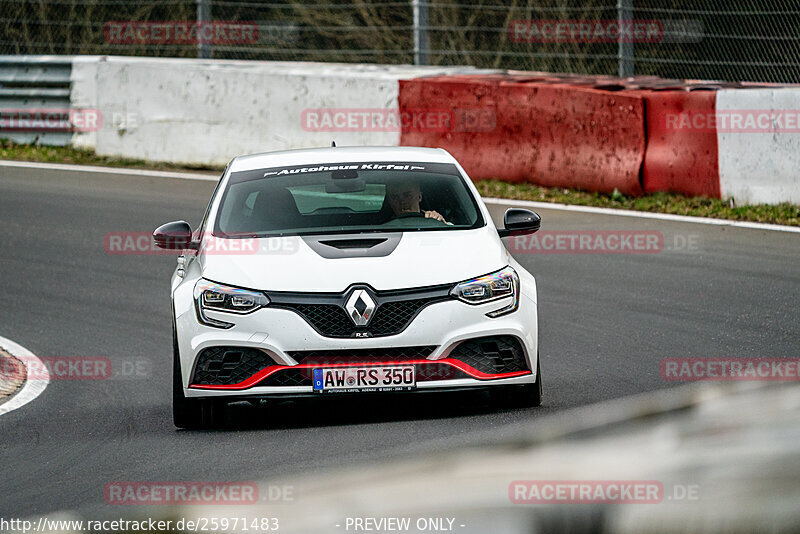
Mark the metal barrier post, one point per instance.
(421, 44)
(203, 17)
(625, 54)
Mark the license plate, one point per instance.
(364, 379)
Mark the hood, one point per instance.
(419, 259)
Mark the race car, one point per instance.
(348, 271)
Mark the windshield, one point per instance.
(346, 198)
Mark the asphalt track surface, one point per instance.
(606, 321)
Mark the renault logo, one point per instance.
(360, 307)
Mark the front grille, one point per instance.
(438, 371)
(328, 319)
(492, 354)
(314, 357)
(232, 365)
(394, 310)
(287, 377)
(392, 317)
(228, 365)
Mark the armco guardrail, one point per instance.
(35, 99)
(597, 133)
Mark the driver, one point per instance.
(404, 198)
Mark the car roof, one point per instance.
(313, 156)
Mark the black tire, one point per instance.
(192, 413)
(524, 396)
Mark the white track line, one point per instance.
(108, 170)
(641, 214)
(495, 201)
(31, 388)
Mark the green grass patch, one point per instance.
(77, 156)
(786, 214)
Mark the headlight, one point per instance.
(217, 297)
(504, 283)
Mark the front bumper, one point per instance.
(281, 334)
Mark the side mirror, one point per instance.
(174, 236)
(518, 221)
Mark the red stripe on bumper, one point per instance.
(267, 371)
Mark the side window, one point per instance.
(210, 202)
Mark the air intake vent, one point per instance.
(343, 244)
(354, 245)
(492, 354)
(229, 365)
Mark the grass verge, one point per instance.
(786, 214)
(77, 156)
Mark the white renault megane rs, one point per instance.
(348, 271)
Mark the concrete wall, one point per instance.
(206, 112)
(757, 165)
